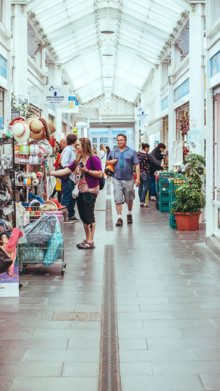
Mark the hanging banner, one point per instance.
(56, 95)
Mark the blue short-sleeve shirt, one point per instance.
(129, 158)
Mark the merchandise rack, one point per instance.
(30, 254)
(10, 171)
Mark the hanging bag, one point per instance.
(102, 179)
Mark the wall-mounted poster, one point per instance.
(9, 269)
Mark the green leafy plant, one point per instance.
(190, 196)
(23, 108)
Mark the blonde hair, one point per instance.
(102, 148)
(95, 151)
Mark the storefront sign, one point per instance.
(215, 64)
(194, 136)
(3, 67)
(164, 103)
(57, 95)
(1, 122)
(181, 91)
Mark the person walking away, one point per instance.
(124, 158)
(107, 151)
(68, 183)
(102, 156)
(89, 170)
(158, 157)
(146, 163)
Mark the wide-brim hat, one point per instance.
(36, 129)
(49, 206)
(21, 131)
(51, 127)
(46, 128)
(17, 120)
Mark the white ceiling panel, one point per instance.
(143, 27)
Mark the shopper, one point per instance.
(102, 156)
(68, 183)
(146, 164)
(88, 169)
(95, 151)
(124, 158)
(58, 187)
(158, 157)
(107, 151)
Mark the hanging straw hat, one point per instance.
(51, 127)
(20, 130)
(36, 129)
(46, 128)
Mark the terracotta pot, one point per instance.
(187, 221)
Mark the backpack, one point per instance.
(102, 179)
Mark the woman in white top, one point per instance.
(102, 156)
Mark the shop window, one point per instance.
(1, 108)
(104, 140)
(94, 141)
(215, 11)
(217, 148)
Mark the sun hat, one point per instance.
(49, 206)
(51, 127)
(45, 128)
(20, 130)
(34, 203)
(36, 129)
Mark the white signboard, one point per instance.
(56, 95)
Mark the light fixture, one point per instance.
(107, 25)
(108, 50)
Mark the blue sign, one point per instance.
(181, 91)
(71, 98)
(3, 67)
(164, 103)
(1, 122)
(215, 64)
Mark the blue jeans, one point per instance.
(152, 186)
(144, 186)
(68, 200)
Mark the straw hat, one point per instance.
(36, 129)
(20, 129)
(51, 127)
(45, 128)
(49, 206)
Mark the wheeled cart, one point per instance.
(43, 241)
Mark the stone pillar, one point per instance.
(171, 113)
(196, 75)
(20, 49)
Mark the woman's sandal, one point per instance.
(86, 245)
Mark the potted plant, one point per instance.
(189, 197)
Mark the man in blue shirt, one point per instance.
(67, 157)
(124, 158)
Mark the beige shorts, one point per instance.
(123, 190)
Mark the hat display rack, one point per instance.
(32, 147)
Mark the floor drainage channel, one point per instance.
(109, 373)
(108, 216)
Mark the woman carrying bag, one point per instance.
(88, 169)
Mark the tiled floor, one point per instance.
(168, 302)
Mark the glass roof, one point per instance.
(142, 27)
